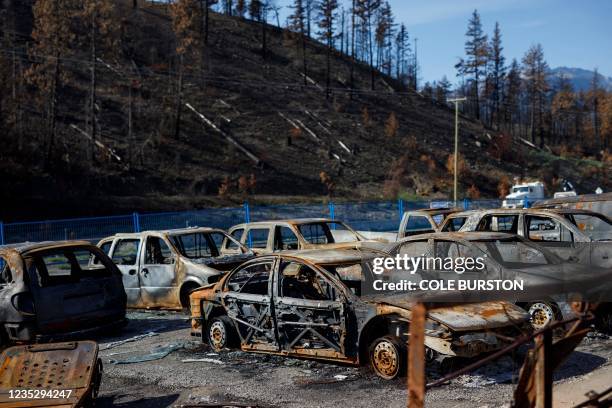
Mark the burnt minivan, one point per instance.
(53, 290)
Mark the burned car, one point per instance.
(266, 237)
(52, 290)
(575, 235)
(160, 268)
(423, 221)
(547, 278)
(310, 305)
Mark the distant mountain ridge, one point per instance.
(581, 78)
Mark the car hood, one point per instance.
(467, 317)
(217, 261)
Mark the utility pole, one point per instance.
(456, 102)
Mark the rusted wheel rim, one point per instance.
(541, 315)
(217, 335)
(385, 359)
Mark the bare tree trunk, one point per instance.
(53, 109)
(179, 101)
(130, 113)
(92, 90)
(352, 49)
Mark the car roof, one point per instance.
(444, 210)
(24, 247)
(290, 221)
(329, 256)
(541, 211)
(465, 236)
(176, 231)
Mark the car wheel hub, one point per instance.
(385, 358)
(217, 335)
(541, 315)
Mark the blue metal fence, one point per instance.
(364, 216)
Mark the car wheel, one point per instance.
(388, 357)
(221, 334)
(542, 314)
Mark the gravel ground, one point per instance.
(270, 381)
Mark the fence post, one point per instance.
(136, 220)
(466, 203)
(332, 210)
(525, 203)
(1, 233)
(247, 212)
(400, 208)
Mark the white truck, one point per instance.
(519, 193)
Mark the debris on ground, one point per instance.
(157, 353)
(131, 339)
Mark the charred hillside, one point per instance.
(177, 133)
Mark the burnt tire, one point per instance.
(388, 357)
(543, 313)
(220, 333)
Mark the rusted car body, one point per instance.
(423, 221)
(601, 203)
(266, 237)
(160, 268)
(50, 375)
(576, 235)
(511, 257)
(50, 290)
(310, 304)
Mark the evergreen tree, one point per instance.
(240, 8)
(512, 95)
(476, 57)
(297, 22)
(255, 10)
(327, 15)
(498, 73)
(535, 70)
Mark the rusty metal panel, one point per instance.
(73, 367)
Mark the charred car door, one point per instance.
(310, 311)
(248, 303)
(72, 294)
(124, 254)
(158, 286)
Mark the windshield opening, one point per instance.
(595, 226)
(194, 245)
(327, 232)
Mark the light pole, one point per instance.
(456, 102)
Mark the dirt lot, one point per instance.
(269, 381)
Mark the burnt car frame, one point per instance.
(575, 235)
(309, 305)
(160, 268)
(52, 290)
(266, 237)
(510, 257)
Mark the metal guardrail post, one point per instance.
(1, 233)
(525, 203)
(136, 220)
(400, 208)
(466, 203)
(332, 210)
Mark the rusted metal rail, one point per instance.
(534, 388)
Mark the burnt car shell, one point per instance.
(464, 330)
(40, 307)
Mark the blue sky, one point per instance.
(574, 33)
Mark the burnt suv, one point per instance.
(53, 290)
